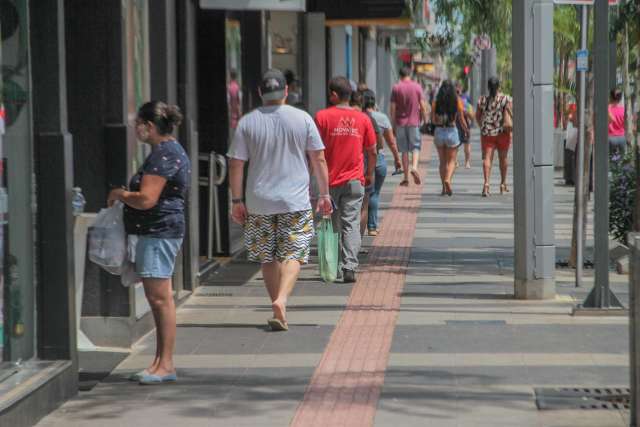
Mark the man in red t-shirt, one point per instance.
(348, 136)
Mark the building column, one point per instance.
(338, 52)
(187, 99)
(385, 75)
(533, 149)
(371, 60)
(54, 175)
(315, 62)
(488, 68)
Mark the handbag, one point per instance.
(428, 129)
(507, 119)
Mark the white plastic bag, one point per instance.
(107, 239)
(128, 275)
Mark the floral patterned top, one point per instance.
(166, 219)
(492, 113)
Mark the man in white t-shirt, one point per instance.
(276, 139)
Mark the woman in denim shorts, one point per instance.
(444, 114)
(154, 212)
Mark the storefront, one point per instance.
(17, 189)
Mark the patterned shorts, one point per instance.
(279, 237)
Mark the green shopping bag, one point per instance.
(327, 250)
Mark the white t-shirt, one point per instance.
(275, 140)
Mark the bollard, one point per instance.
(634, 328)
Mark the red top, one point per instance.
(616, 126)
(345, 133)
(407, 95)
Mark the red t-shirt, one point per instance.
(345, 133)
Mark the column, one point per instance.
(54, 172)
(371, 60)
(488, 68)
(533, 149)
(315, 62)
(338, 52)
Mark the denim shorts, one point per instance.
(156, 257)
(446, 137)
(408, 139)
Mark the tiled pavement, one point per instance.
(459, 350)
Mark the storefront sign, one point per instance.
(287, 5)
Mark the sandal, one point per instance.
(486, 191)
(404, 183)
(416, 177)
(504, 188)
(373, 232)
(277, 325)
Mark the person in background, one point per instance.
(277, 140)
(407, 108)
(295, 97)
(369, 103)
(617, 137)
(154, 213)
(490, 116)
(234, 101)
(348, 136)
(463, 123)
(356, 103)
(445, 113)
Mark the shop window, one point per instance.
(17, 191)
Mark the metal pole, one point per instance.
(634, 331)
(580, 153)
(601, 297)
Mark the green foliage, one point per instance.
(622, 195)
(464, 19)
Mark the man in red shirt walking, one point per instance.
(348, 136)
(407, 106)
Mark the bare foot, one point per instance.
(279, 310)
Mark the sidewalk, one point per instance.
(429, 335)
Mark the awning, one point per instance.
(371, 22)
(359, 9)
(273, 5)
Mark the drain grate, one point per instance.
(213, 294)
(583, 398)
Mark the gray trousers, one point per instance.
(346, 222)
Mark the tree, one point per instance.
(467, 18)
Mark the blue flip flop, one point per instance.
(149, 379)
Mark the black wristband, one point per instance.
(240, 200)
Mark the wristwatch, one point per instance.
(240, 200)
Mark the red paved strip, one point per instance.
(346, 384)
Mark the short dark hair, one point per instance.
(368, 99)
(356, 99)
(493, 85)
(165, 117)
(616, 94)
(341, 86)
(405, 72)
